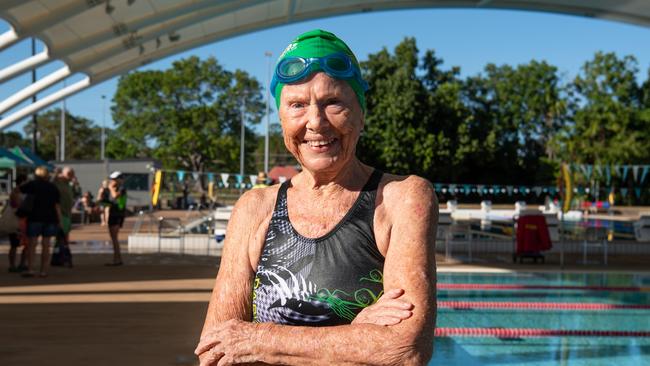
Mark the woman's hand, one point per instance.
(228, 343)
(388, 310)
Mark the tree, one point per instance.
(401, 113)
(188, 116)
(609, 127)
(516, 111)
(82, 137)
(12, 138)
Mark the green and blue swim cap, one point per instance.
(315, 51)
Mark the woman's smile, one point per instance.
(323, 145)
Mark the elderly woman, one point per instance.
(337, 265)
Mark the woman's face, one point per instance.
(321, 122)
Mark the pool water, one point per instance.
(614, 289)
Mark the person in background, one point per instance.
(116, 211)
(103, 195)
(19, 238)
(66, 183)
(43, 219)
(261, 180)
(88, 206)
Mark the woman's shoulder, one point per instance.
(257, 202)
(400, 190)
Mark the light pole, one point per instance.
(241, 140)
(62, 143)
(103, 142)
(34, 119)
(103, 138)
(268, 113)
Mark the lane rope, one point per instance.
(537, 305)
(533, 333)
(489, 286)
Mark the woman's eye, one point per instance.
(334, 104)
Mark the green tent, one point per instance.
(27, 155)
(5, 153)
(6, 163)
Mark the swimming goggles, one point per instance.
(336, 65)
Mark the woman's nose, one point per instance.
(316, 118)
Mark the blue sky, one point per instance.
(469, 38)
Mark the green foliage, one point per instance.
(82, 138)
(12, 138)
(610, 125)
(491, 128)
(506, 125)
(188, 116)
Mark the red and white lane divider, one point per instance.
(503, 287)
(537, 305)
(534, 333)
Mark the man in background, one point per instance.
(66, 183)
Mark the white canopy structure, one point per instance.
(105, 38)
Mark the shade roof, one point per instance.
(105, 38)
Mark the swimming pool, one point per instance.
(543, 319)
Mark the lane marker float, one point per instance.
(537, 305)
(534, 333)
(489, 286)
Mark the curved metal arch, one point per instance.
(91, 64)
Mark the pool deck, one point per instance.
(150, 311)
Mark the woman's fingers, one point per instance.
(210, 358)
(392, 294)
(395, 303)
(205, 344)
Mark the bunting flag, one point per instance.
(479, 187)
(438, 187)
(635, 172)
(624, 192)
(617, 169)
(180, 175)
(637, 191)
(196, 176)
(599, 170)
(467, 189)
(496, 189)
(644, 173)
(587, 170)
(452, 188)
(608, 174)
(538, 191)
(253, 178)
(552, 191)
(210, 177)
(240, 180)
(224, 179)
(625, 169)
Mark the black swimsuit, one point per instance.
(322, 281)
